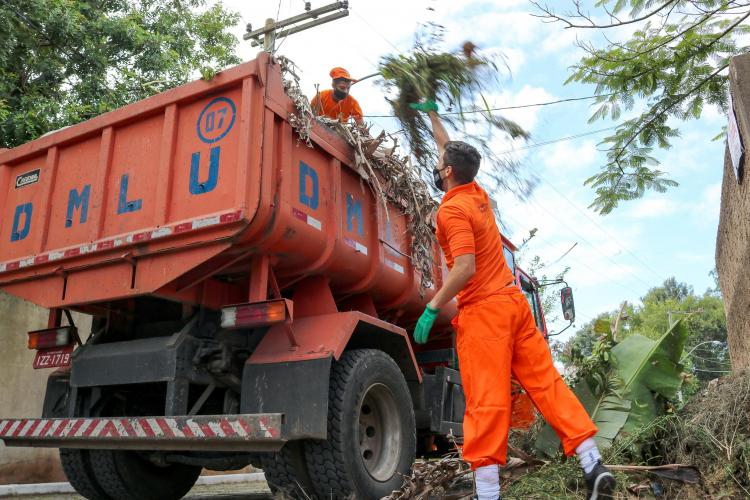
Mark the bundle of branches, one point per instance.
(454, 80)
(429, 479)
(391, 177)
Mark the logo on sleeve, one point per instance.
(27, 178)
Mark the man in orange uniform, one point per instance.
(496, 332)
(336, 103)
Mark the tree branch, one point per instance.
(554, 17)
(663, 111)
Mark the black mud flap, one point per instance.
(444, 397)
(296, 389)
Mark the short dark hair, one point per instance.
(464, 158)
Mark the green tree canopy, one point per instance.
(674, 64)
(64, 61)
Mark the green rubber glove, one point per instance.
(424, 325)
(428, 105)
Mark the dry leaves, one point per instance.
(392, 178)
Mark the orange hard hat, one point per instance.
(339, 72)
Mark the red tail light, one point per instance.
(52, 337)
(255, 314)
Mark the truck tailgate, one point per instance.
(173, 175)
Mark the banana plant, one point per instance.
(644, 373)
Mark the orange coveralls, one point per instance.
(497, 337)
(341, 110)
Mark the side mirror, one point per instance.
(568, 307)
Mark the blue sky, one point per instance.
(617, 257)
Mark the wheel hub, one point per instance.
(380, 432)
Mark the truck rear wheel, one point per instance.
(371, 432)
(127, 475)
(286, 471)
(77, 467)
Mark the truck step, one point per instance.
(257, 432)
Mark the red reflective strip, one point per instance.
(12, 265)
(142, 236)
(105, 245)
(91, 427)
(207, 430)
(46, 427)
(227, 428)
(268, 427)
(75, 428)
(7, 426)
(60, 427)
(33, 427)
(181, 228)
(164, 427)
(187, 430)
(125, 422)
(18, 429)
(41, 259)
(299, 214)
(72, 252)
(146, 428)
(109, 430)
(246, 427)
(234, 216)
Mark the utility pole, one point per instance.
(270, 33)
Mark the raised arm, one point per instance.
(438, 131)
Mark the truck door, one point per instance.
(529, 290)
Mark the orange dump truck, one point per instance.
(251, 299)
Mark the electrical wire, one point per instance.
(505, 108)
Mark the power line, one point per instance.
(505, 108)
(602, 229)
(586, 241)
(376, 31)
(553, 141)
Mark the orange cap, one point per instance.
(339, 72)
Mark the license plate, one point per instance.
(53, 358)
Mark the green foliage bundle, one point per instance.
(457, 81)
(65, 61)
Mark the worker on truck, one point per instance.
(496, 332)
(336, 103)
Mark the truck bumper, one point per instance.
(257, 432)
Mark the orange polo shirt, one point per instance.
(465, 225)
(341, 110)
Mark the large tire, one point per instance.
(371, 432)
(286, 471)
(77, 467)
(126, 475)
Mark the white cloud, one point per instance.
(570, 157)
(653, 208)
(706, 210)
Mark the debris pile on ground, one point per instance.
(392, 178)
(711, 432)
(431, 479)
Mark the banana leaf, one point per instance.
(651, 370)
(643, 370)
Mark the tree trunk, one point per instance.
(733, 238)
